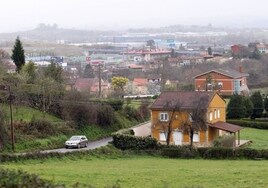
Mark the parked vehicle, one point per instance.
(77, 141)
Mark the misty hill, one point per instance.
(53, 33)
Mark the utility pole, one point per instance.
(10, 99)
(99, 80)
(11, 118)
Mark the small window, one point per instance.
(162, 136)
(196, 137)
(163, 116)
(215, 114)
(190, 117)
(220, 85)
(209, 86)
(210, 116)
(219, 113)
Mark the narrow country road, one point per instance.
(91, 145)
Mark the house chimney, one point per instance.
(241, 69)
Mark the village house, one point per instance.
(225, 81)
(91, 85)
(172, 110)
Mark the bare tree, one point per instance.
(167, 125)
(197, 117)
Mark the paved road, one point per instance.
(91, 145)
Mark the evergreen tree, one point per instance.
(257, 102)
(18, 55)
(209, 51)
(248, 106)
(30, 70)
(55, 72)
(266, 104)
(89, 72)
(236, 108)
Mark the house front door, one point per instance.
(177, 138)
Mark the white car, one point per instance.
(77, 142)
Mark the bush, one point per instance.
(224, 141)
(124, 142)
(131, 113)
(249, 123)
(105, 115)
(179, 152)
(40, 128)
(115, 104)
(12, 178)
(218, 153)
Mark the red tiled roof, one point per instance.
(226, 126)
(182, 100)
(140, 81)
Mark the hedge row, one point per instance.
(129, 142)
(215, 153)
(124, 142)
(12, 178)
(249, 123)
(43, 156)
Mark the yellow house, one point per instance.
(172, 110)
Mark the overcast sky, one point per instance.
(22, 15)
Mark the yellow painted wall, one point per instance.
(179, 117)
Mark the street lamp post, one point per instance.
(10, 98)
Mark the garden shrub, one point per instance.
(132, 142)
(179, 152)
(224, 141)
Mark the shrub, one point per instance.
(12, 178)
(105, 115)
(224, 141)
(218, 153)
(179, 152)
(131, 113)
(40, 127)
(136, 143)
(115, 104)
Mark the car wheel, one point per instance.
(78, 146)
(66, 147)
(86, 145)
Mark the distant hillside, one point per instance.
(53, 33)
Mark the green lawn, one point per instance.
(259, 137)
(146, 171)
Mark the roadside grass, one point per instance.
(148, 171)
(259, 137)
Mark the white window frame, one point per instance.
(163, 116)
(219, 113)
(196, 137)
(210, 116)
(190, 117)
(220, 85)
(215, 114)
(162, 136)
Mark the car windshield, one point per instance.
(75, 138)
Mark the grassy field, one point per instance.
(259, 137)
(147, 171)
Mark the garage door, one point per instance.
(177, 138)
